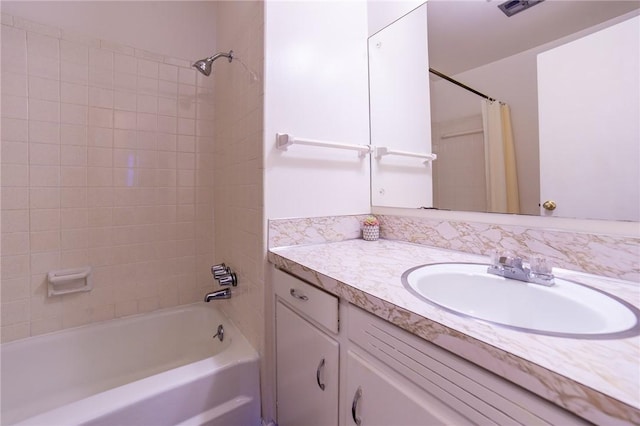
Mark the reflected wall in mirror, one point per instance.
(475, 43)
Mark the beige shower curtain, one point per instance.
(500, 160)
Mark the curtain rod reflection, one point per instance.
(464, 86)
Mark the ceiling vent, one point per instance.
(512, 7)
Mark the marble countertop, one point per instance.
(598, 380)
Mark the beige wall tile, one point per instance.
(44, 198)
(44, 176)
(44, 132)
(73, 135)
(125, 63)
(15, 221)
(73, 155)
(13, 289)
(15, 243)
(74, 73)
(74, 114)
(40, 110)
(14, 84)
(100, 117)
(94, 173)
(43, 88)
(14, 106)
(100, 137)
(42, 263)
(14, 332)
(15, 175)
(74, 52)
(71, 197)
(15, 198)
(101, 59)
(100, 97)
(44, 154)
(15, 130)
(47, 325)
(73, 176)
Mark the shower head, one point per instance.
(204, 65)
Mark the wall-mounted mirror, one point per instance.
(516, 60)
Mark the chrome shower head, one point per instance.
(204, 65)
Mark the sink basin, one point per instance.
(567, 309)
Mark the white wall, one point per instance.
(183, 29)
(316, 87)
(382, 13)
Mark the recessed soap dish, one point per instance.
(67, 281)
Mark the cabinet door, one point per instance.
(374, 397)
(306, 372)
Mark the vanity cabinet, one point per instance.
(371, 372)
(307, 357)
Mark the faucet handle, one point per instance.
(218, 273)
(508, 259)
(230, 279)
(540, 266)
(494, 257)
(217, 268)
(514, 262)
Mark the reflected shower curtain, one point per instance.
(500, 160)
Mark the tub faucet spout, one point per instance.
(218, 294)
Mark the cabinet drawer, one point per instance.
(310, 301)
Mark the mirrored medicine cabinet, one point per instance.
(568, 73)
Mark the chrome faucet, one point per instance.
(509, 266)
(225, 293)
(225, 277)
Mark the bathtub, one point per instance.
(162, 368)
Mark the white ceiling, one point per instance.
(467, 34)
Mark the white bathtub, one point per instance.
(162, 368)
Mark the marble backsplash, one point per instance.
(606, 255)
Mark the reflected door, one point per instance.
(589, 106)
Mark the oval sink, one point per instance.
(567, 309)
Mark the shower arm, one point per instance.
(221, 55)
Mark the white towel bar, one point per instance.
(383, 151)
(284, 140)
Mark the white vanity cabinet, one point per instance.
(307, 357)
(371, 372)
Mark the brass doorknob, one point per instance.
(549, 205)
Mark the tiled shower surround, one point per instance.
(107, 154)
(606, 255)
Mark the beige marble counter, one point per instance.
(598, 380)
